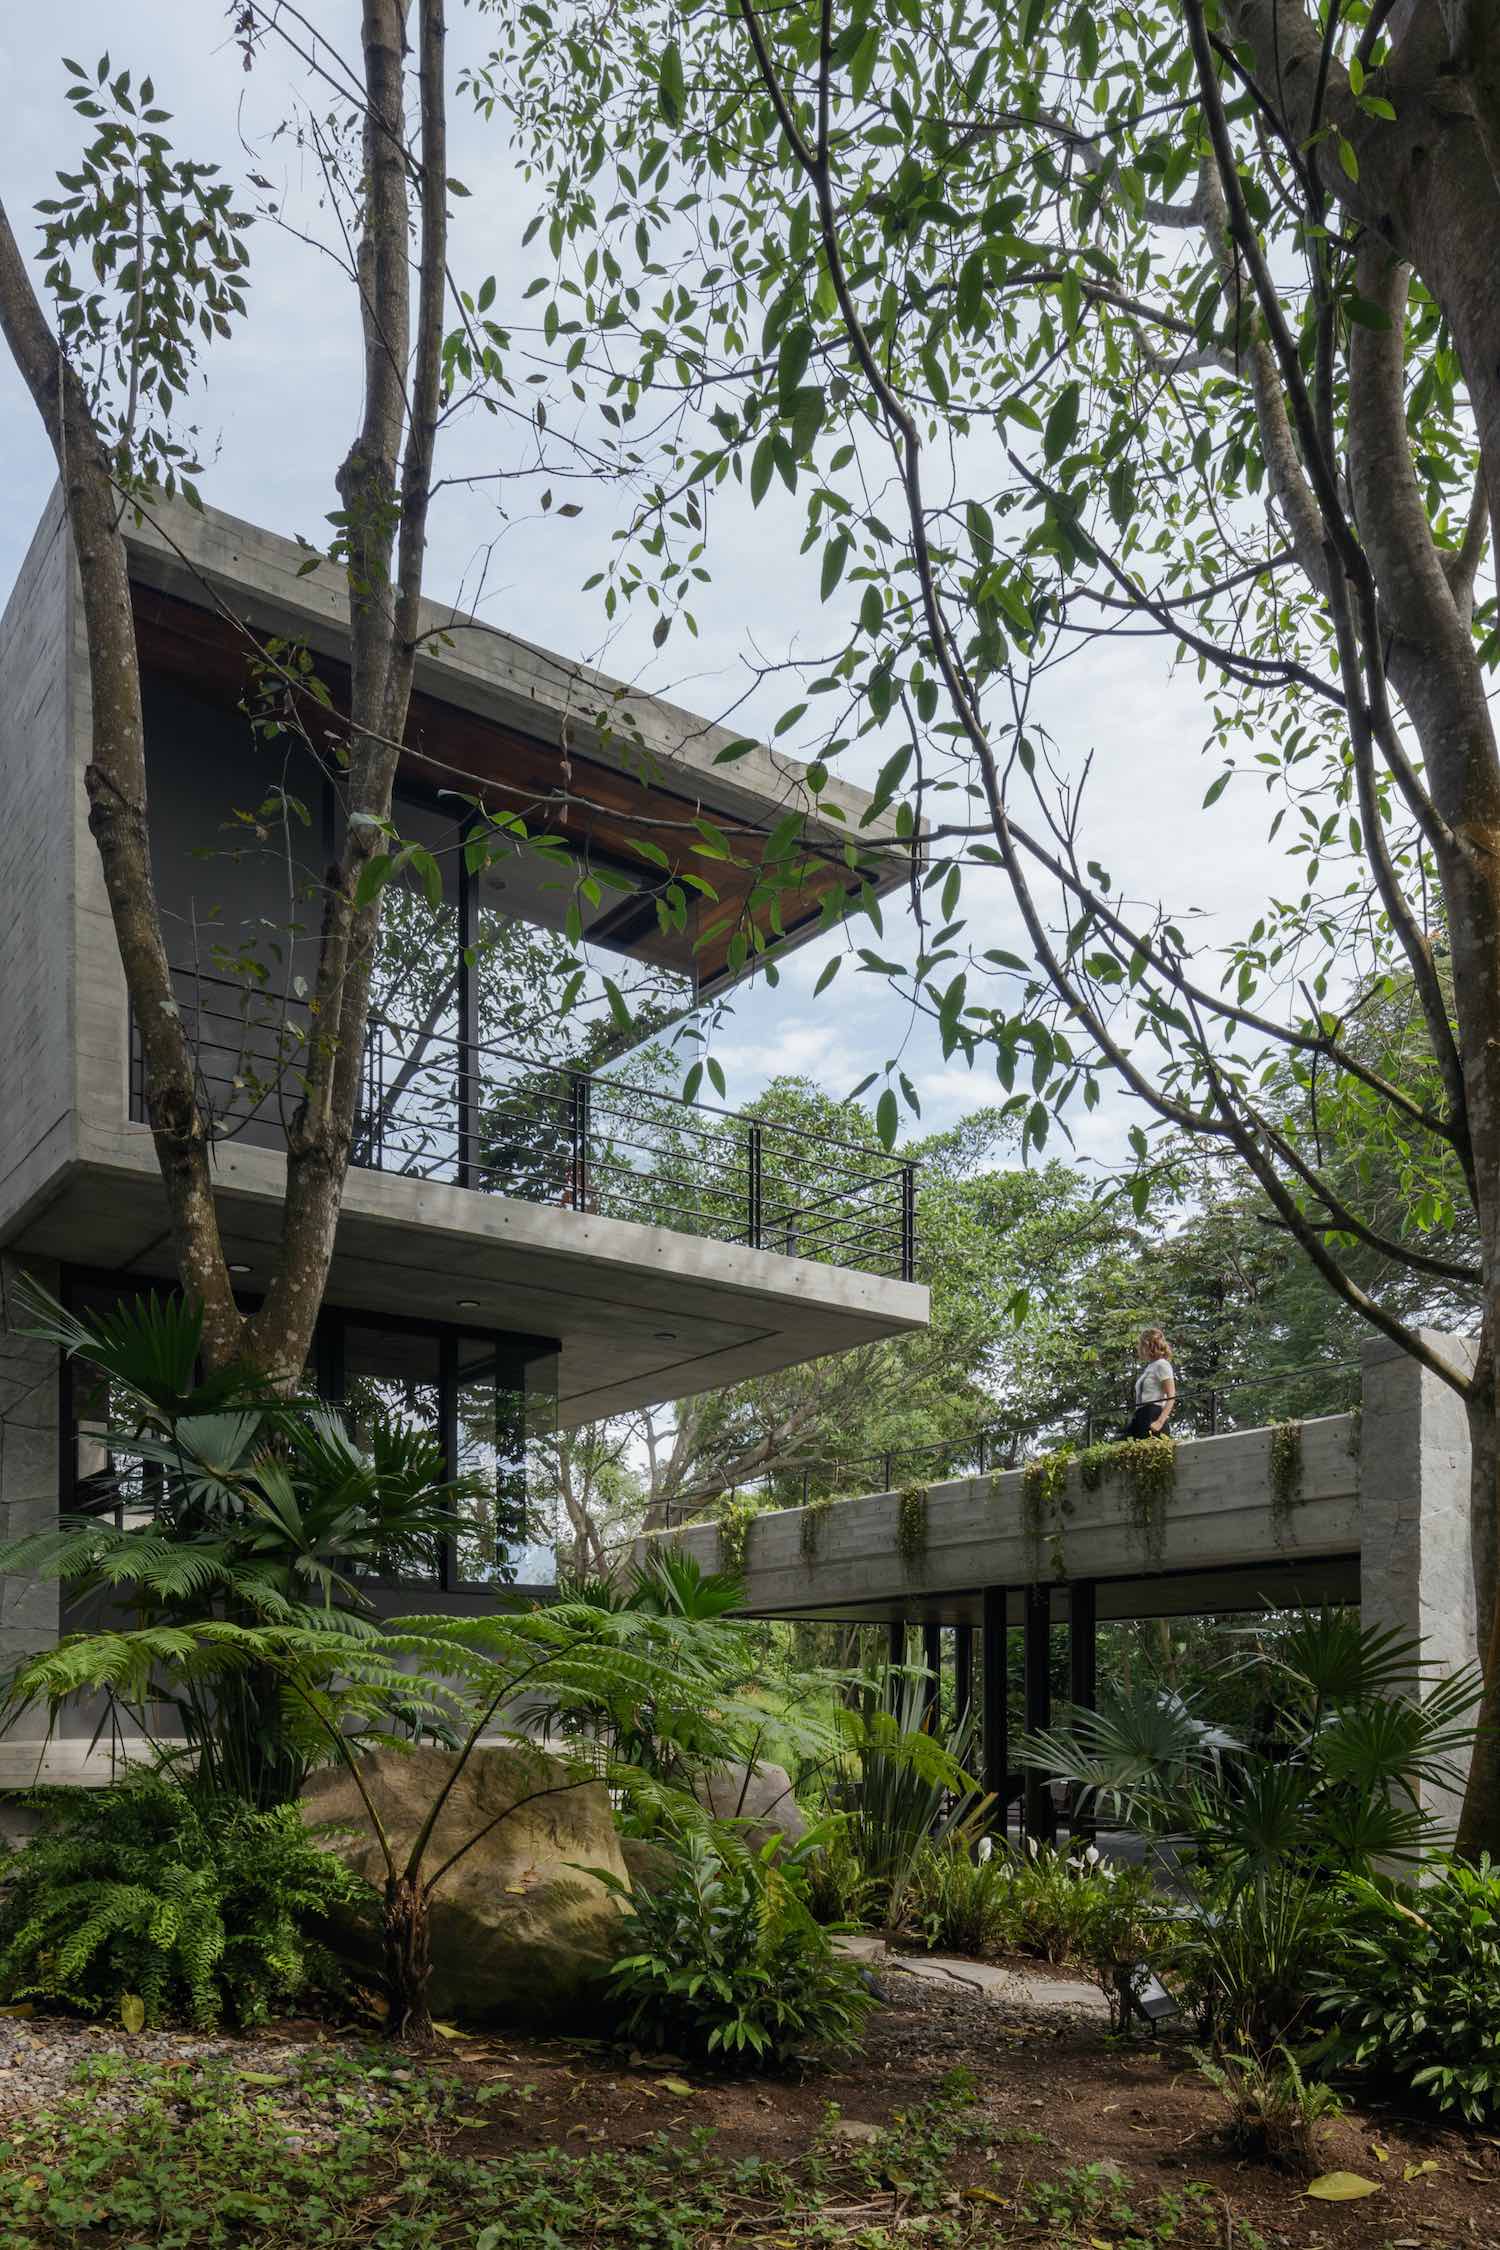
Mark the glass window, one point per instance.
(506, 1412)
(409, 1110)
(394, 1375)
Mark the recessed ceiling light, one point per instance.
(468, 1304)
(238, 1269)
(666, 1335)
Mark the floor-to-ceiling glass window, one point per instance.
(488, 1401)
(409, 1118)
(505, 1415)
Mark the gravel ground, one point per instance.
(38, 2058)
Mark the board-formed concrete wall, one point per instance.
(37, 983)
(1220, 1516)
(29, 1442)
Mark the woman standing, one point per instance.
(1155, 1387)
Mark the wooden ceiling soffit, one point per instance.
(598, 809)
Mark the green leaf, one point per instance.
(887, 1118)
(835, 555)
(1216, 789)
(862, 62)
(373, 877)
(1367, 315)
(132, 2012)
(1062, 422)
(827, 974)
(763, 461)
(671, 87)
(1350, 163)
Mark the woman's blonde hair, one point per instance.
(1153, 1340)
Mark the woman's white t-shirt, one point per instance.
(1151, 1383)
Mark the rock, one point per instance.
(650, 1864)
(521, 1930)
(762, 1798)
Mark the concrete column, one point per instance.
(1419, 1571)
(29, 1452)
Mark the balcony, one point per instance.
(436, 1106)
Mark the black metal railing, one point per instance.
(1208, 1409)
(436, 1106)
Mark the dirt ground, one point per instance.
(1057, 2091)
(1062, 2093)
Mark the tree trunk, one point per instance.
(1479, 1826)
(406, 1934)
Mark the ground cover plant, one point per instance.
(969, 2124)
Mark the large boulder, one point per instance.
(761, 1796)
(651, 1865)
(522, 1931)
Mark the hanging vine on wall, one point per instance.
(1148, 1466)
(813, 1512)
(1043, 1483)
(1093, 1461)
(911, 1525)
(1286, 1473)
(734, 1520)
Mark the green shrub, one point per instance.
(193, 1905)
(839, 1892)
(724, 1961)
(959, 1904)
(1414, 1994)
(1248, 1956)
(1275, 2109)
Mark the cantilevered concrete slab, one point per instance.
(641, 1313)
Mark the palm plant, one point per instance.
(1358, 1728)
(223, 1501)
(1333, 1784)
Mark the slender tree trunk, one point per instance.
(406, 1936)
(1479, 1826)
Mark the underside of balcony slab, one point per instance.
(641, 1313)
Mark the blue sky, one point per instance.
(276, 412)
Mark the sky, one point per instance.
(276, 410)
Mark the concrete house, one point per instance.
(524, 1239)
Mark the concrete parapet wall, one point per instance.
(1220, 1515)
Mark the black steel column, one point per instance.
(1041, 1819)
(963, 1669)
(448, 1437)
(932, 1659)
(753, 1168)
(468, 1024)
(1083, 1643)
(896, 1641)
(994, 1712)
(1083, 1673)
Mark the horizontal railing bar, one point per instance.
(481, 1047)
(437, 1107)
